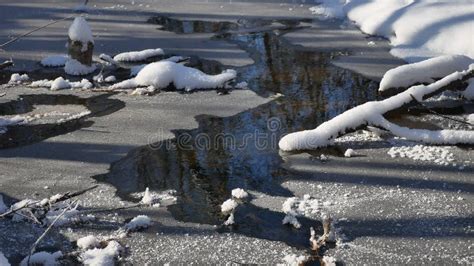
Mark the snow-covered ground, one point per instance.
(417, 29)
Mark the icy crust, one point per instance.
(411, 26)
(424, 71)
(163, 73)
(81, 32)
(75, 68)
(371, 113)
(136, 56)
(54, 60)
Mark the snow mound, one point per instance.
(54, 60)
(136, 56)
(41, 83)
(81, 32)
(3, 260)
(424, 72)
(139, 222)
(59, 84)
(88, 242)
(411, 26)
(294, 260)
(18, 79)
(229, 206)
(350, 153)
(239, 193)
(43, 258)
(163, 73)
(102, 257)
(75, 68)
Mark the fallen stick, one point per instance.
(33, 248)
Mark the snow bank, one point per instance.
(3, 260)
(371, 113)
(139, 222)
(136, 56)
(54, 60)
(163, 73)
(424, 72)
(18, 79)
(43, 258)
(88, 242)
(229, 206)
(81, 32)
(75, 68)
(102, 257)
(239, 193)
(413, 27)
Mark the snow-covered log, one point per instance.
(426, 71)
(372, 113)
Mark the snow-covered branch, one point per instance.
(372, 113)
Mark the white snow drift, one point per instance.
(136, 56)
(163, 73)
(416, 29)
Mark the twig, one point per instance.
(112, 209)
(69, 195)
(32, 250)
(3, 215)
(438, 114)
(34, 30)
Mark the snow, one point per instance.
(137, 56)
(329, 261)
(41, 83)
(239, 193)
(163, 73)
(3, 260)
(413, 27)
(424, 72)
(54, 60)
(230, 220)
(43, 258)
(102, 257)
(110, 79)
(59, 84)
(470, 118)
(81, 32)
(75, 68)
(372, 113)
(88, 242)
(229, 206)
(147, 198)
(291, 219)
(18, 79)
(143, 91)
(468, 93)
(242, 85)
(3, 207)
(350, 153)
(440, 155)
(294, 260)
(139, 222)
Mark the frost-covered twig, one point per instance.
(372, 113)
(33, 247)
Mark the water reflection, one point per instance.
(313, 90)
